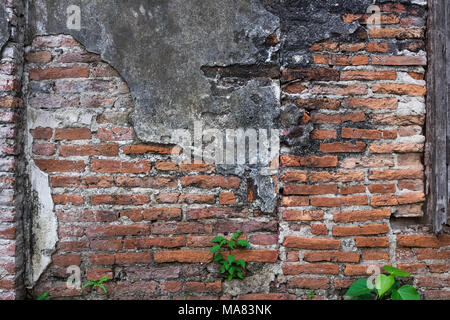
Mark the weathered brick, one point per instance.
(400, 89)
(314, 268)
(51, 165)
(361, 215)
(331, 256)
(311, 243)
(189, 256)
(303, 215)
(368, 229)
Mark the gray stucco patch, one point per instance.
(4, 29)
(160, 47)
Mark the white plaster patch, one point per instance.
(44, 223)
(411, 106)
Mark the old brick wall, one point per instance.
(356, 197)
(350, 195)
(11, 157)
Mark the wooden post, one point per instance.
(438, 118)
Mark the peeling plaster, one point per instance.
(44, 224)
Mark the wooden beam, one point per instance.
(437, 114)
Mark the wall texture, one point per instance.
(87, 181)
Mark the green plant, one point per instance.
(230, 267)
(311, 294)
(97, 283)
(386, 287)
(44, 296)
(187, 294)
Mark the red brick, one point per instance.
(372, 242)
(145, 243)
(338, 176)
(120, 199)
(73, 134)
(309, 283)
(108, 150)
(115, 134)
(397, 33)
(310, 189)
(183, 256)
(133, 257)
(311, 243)
(373, 255)
(38, 57)
(368, 75)
(368, 229)
(339, 147)
(312, 74)
(371, 103)
(319, 229)
(331, 256)
(59, 73)
(117, 230)
(264, 239)
(42, 133)
(226, 198)
(399, 60)
(313, 161)
(294, 201)
(211, 182)
(44, 149)
(115, 166)
(361, 215)
(341, 60)
(423, 241)
(323, 134)
(351, 133)
(68, 199)
(292, 269)
(211, 287)
(302, 215)
(66, 260)
(400, 89)
(319, 118)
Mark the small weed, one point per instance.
(97, 283)
(44, 296)
(230, 267)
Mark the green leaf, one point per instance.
(103, 287)
(241, 263)
(230, 258)
(231, 244)
(215, 248)
(218, 257)
(407, 292)
(243, 243)
(396, 272)
(232, 270)
(383, 283)
(358, 288)
(44, 296)
(218, 239)
(240, 274)
(222, 269)
(236, 235)
(395, 295)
